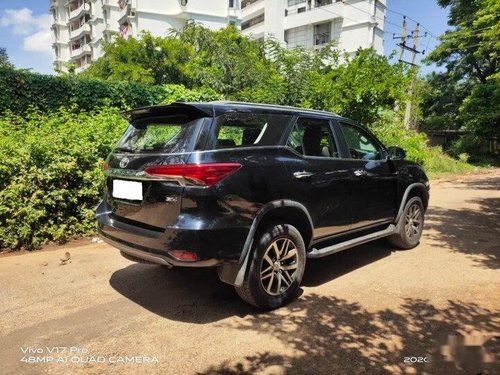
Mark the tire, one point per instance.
(279, 254)
(410, 229)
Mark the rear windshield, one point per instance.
(169, 134)
(246, 129)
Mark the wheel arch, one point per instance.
(286, 211)
(283, 210)
(417, 189)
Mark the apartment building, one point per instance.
(81, 26)
(314, 23)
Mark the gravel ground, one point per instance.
(360, 311)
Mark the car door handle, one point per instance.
(360, 173)
(304, 175)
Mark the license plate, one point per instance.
(131, 190)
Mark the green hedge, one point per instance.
(51, 174)
(21, 90)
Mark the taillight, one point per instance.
(199, 174)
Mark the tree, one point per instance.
(466, 95)
(443, 96)
(471, 49)
(238, 68)
(360, 86)
(4, 58)
(224, 60)
(149, 59)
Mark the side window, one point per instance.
(313, 137)
(242, 129)
(361, 145)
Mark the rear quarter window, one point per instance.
(242, 129)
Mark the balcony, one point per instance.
(253, 22)
(126, 11)
(319, 12)
(74, 14)
(80, 31)
(58, 23)
(252, 8)
(245, 3)
(111, 29)
(79, 51)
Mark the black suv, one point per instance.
(254, 190)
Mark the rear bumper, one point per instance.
(155, 258)
(214, 246)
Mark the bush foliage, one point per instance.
(51, 173)
(21, 90)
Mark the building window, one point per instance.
(322, 34)
(301, 10)
(320, 3)
(292, 3)
(245, 3)
(231, 3)
(252, 22)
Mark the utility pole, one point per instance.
(414, 51)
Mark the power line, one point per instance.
(465, 47)
(337, 14)
(370, 14)
(473, 33)
(414, 20)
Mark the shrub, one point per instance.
(50, 173)
(21, 90)
(390, 131)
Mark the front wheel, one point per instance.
(276, 268)
(410, 230)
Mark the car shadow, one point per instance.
(196, 295)
(323, 270)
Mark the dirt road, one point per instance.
(361, 311)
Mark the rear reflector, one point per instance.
(186, 256)
(199, 174)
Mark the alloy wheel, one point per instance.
(278, 267)
(413, 221)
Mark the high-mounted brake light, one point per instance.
(200, 174)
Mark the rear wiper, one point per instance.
(125, 150)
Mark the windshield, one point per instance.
(172, 134)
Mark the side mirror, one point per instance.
(396, 153)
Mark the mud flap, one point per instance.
(234, 273)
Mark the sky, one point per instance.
(432, 18)
(25, 29)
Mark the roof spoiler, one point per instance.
(175, 108)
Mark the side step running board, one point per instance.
(318, 253)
